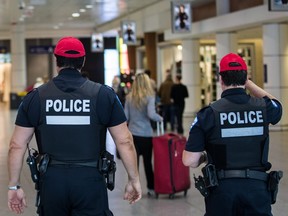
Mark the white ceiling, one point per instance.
(58, 13)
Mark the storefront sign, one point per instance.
(41, 49)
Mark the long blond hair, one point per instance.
(141, 88)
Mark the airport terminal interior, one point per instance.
(191, 204)
(124, 37)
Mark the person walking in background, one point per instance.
(178, 94)
(70, 116)
(140, 109)
(154, 87)
(119, 90)
(153, 83)
(164, 93)
(234, 132)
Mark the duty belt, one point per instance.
(248, 174)
(74, 164)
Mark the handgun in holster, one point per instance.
(207, 181)
(273, 182)
(107, 167)
(32, 161)
(38, 165)
(200, 185)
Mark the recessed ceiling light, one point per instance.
(75, 15)
(82, 10)
(21, 19)
(30, 7)
(89, 6)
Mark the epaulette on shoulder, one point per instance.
(108, 87)
(212, 102)
(203, 109)
(32, 91)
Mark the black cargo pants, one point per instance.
(73, 191)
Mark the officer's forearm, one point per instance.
(128, 155)
(17, 148)
(124, 142)
(193, 159)
(15, 161)
(257, 91)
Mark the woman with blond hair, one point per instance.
(140, 109)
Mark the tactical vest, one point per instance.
(69, 127)
(240, 139)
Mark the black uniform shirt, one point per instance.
(110, 114)
(204, 122)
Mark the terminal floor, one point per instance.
(192, 204)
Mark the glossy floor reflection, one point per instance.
(192, 204)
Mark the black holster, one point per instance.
(38, 165)
(32, 161)
(273, 182)
(43, 164)
(107, 167)
(209, 180)
(210, 176)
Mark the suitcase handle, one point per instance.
(160, 128)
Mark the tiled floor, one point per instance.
(192, 204)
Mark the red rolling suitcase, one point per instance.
(170, 174)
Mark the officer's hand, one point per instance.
(16, 201)
(133, 191)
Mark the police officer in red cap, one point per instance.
(69, 116)
(232, 137)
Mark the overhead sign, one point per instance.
(41, 49)
(97, 42)
(128, 30)
(181, 16)
(278, 5)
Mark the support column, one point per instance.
(191, 75)
(225, 43)
(54, 64)
(150, 39)
(18, 59)
(275, 57)
(132, 57)
(222, 7)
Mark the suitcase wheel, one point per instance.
(185, 193)
(171, 196)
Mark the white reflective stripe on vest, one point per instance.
(68, 120)
(242, 132)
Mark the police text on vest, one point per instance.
(68, 105)
(241, 117)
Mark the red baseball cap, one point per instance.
(231, 62)
(69, 47)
